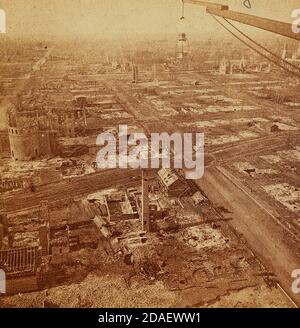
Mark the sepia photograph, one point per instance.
(149, 156)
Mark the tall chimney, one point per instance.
(145, 202)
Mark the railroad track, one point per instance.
(69, 188)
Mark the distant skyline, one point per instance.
(127, 19)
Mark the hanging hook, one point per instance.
(182, 16)
(247, 4)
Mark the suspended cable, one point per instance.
(182, 12)
(257, 51)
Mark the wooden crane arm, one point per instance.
(266, 24)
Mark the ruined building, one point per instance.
(29, 137)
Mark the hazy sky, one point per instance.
(125, 18)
